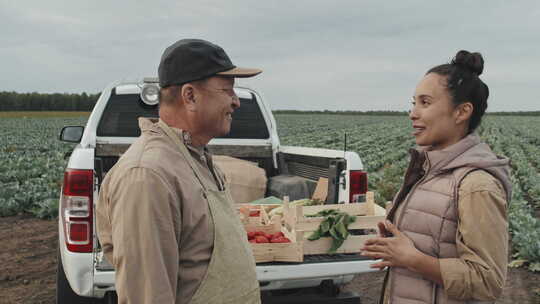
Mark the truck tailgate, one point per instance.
(316, 266)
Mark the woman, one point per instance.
(446, 235)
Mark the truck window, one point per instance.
(120, 118)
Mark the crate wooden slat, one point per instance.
(261, 219)
(266, 228)
(277, 252)
(351, 245)
(362, 222)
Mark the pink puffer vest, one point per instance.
(428, 214)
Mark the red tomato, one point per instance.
(261, 239)
(278, 234)
(254, 212)
(251, 235)
(280, 239)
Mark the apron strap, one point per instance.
(183, 149)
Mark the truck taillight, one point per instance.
(358, 185)
(76, 210)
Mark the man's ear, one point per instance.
(464, 112)
(189, 97)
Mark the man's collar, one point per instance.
(185, 136)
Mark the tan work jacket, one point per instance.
(156, 220)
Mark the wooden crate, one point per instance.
(262, 219)
(275, 252)
(367, 214)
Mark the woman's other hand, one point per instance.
(397, 250)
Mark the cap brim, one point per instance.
(240, 72)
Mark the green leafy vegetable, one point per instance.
(334, 225)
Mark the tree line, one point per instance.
(395, 113)
(13, 101)
(376, 113)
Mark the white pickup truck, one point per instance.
(84, 276)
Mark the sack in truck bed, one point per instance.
(246, 180)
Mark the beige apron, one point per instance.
(231, 276)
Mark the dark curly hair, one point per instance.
(464, 85)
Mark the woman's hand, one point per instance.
(397, 250)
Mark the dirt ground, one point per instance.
(28, 267)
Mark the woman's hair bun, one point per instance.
(470, 61)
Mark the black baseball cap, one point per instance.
(195, 59)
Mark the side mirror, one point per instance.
(72, 134)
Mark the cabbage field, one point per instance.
(32, 161)
(32, 164)
(383, 142)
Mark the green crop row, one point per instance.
(383, 142)
(32, 161)
(516, 139)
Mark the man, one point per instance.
(164, 217)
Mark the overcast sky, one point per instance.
(316, 55)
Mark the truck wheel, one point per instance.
(64, 293)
